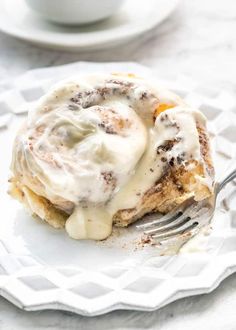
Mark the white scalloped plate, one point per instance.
(41, 268)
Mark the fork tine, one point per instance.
(177, 217)
(170, 225)
(195, 213)
(178, 222)
(178, 231)
(168, 218)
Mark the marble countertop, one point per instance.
(198, 40)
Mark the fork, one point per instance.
(187, 219)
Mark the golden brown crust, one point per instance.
(170, 191)
(205, 149)
(176, 185)
(38, 205)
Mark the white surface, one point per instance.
(206, 53)
(42, 268)
(134, 18)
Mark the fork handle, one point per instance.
(229, 177)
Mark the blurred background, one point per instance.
(197, 39)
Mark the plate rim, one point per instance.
(58, 303)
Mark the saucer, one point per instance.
(133, 19)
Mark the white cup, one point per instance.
(74, 12)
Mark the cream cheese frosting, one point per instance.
(94, 143)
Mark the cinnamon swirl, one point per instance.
(102, 149)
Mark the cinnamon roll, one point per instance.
(103, 149)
